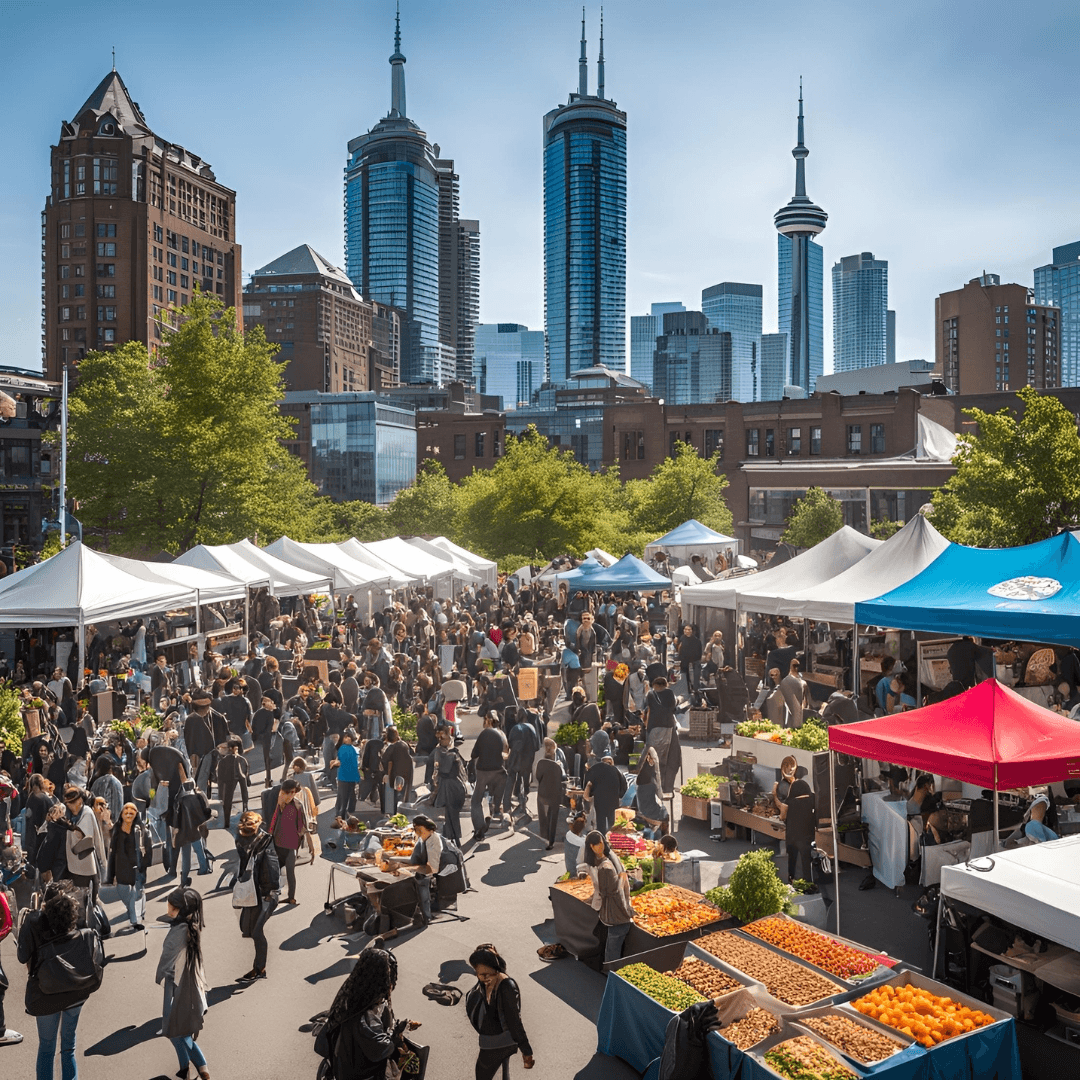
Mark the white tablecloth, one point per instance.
(888, 836)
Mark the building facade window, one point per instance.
(106, 229)
(633, 445)
(854, 439)
(794, 441)
(752, 442)
(770, 442)
(877, 438)
(459, 447)
(714, 442)
(479, 447)
(815, 440)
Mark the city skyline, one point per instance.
(905, 165)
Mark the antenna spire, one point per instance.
(114, 58)
(600, 62)
(583, 63)
(397, 68)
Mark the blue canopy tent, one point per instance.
(585, 569)
(629, 574)
(1027, 593)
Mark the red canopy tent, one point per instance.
(989, 736)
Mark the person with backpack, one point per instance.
(130, 854)
(256, 890)
(65, 967)
(181, 970)
(493, 1006)
(8, 1036)
(450, 779)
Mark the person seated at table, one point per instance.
(903, 692)
(424, 862)
(924, 788)
(1035, 828)
(883, 689)
(936, 822)
(897, 777)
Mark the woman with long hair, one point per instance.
(131, 853)
(181, 970)
(493, 1006)
(649, 806)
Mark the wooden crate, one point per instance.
(695, 808)
(754, 667)
(704, 723)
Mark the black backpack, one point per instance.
(71, 964)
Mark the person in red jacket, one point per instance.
(8, 1036)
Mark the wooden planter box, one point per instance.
(704, 723)
(695, 808)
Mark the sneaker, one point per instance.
(138, 927)
(10, 1037)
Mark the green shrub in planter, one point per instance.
(704, 786)
(755, 889)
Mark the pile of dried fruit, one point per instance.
(756, 1025)
(924, 1016)
(784, 979)
(803, 1059)
(399, 847)
(819, 949)
(671, 910)
(705, 978)
(853, 1038)
(582, 888)
(671, 993)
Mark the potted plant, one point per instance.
(808, 904)
(696, 793)
(754, 890)
(573, 738)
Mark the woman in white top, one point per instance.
(596, 853)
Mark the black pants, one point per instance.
(258, 934)
(795, 849)
(266, 748)
(287, 754)
(228, 789)
(488, 1062)
(605, 816)
(548, 813)
(346, 798)
(3, 990)
(287, 859)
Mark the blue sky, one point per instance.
(942, 135)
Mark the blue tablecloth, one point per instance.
(631, 1024)
(888, 836)
(990, 1053)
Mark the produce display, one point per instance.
(703, 786)
(784, 979)
(803, 1059)
(629, 843)
(861, 1042)
(756, 1025)
(671, 993)
(582, 888)
(705, 978)
(670, 910)
(812, 736)
(766, 810)
(818, 949)
(924, 1016)
(399, 847)
(754, 890)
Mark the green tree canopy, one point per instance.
(813, 518)
(1017, 480)
(429, 507)
(185, 448)
(683, 486)
(883, 528)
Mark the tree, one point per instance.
(813, 518)
(883, 528)
(682, 487)
(185, 448)
(427, 508)
(1017, 480)
(332, 522)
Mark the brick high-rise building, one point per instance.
(133, 225)
(325, 329)
(459, 272)
(990, 336)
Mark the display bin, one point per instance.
(757, 1053)
(698, 809)
(904, 1042)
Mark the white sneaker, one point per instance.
(10, 1038)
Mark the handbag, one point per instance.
(71, 964)
(244, 894)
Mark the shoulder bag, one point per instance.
(244, 893)
(72, 964)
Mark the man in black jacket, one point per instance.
(489, 753)
(263, 725)
(204, 731)
(236, 708)
(690, 653)
(605, 785)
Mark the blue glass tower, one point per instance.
(801, 316)
(392, 229)
(1059, 283)
(644, 330)
(735, 307)
(815, 275)
(509, 362)
(860, 291)
(585, 229)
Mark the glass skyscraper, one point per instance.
(860, 290)
(1059, 283)
(392, 230)
(509, 362)
(815, 308)
(735, 307)
(585, 229)
(693, 360)
(773, 366)
(644, 330)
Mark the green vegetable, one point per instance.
(750, 728)
(399, 821)
(674, 994)
(704, 786)
(572, 734)
(649, 887)
(755, 889)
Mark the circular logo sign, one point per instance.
(1026, 588)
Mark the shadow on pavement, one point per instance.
(575, 984)
(602, 1067)
(515, 863)
(452, 970)
(124, 1039)
(321, 927)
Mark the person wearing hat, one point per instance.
(258, 861)
(1035, 828)
(204, 731)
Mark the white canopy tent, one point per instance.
(396, 579)
(328, 559)
(821, 563)
(463, 571)
(489, 570)
(602, 557)
(692, 538)
(249, 563)
(211, 585)
(417, 564)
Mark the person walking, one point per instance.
(605, 785)
(450, 777)
(550, 787)
(130, 854)
(83, 859)
(524, 743)
(348, 774)
(397, 767)
(8, 1036)
(288, 827)
(181, 970)
(232, 772)
(192, 814)
(493, 1006)
(690, 653)
(52, 933)
(489, 753)
(263, 725)
(259, 865)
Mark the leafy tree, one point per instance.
(427, 508)
(12, 729)
(1017, 480)
(813, 518)
(883, 528)
(681, 487)
(331, 522)
(185, 448)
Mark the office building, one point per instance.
(773, 366)
(459, 272)
(860, 291)
(693, 360)
(800, 274)
(735, 308)
(585, 229)
(644, 330)
(309, 308)
(509, 362)
(132, 226)
(355, 445)
(1059, 283)
(392, 213)
(989, 336)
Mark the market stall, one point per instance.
(395, 579)
(330, 560)
(629, 574)
(251, 564)
(487, 569)
(693, 538)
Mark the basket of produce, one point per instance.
(805, 1058)
(672, 993)
(670, 910)
(696, 793)
(703, 723)
(863, 1041)
(831, 955)
(788, 981)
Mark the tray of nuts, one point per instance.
(582, 888)
(743, 1022)
(705, 978)
(863, 1040)
(786, 979)
(803, 1057)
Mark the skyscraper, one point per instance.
(1059, 283)
(509, 362)
(585, 229)
(860, 291)
(815, 258)
(132, 226)
(773, 365)
(799, 222)
(692, 362)
(736, 308)
(459, 272)
(890, 336)
(644, 330)
(392, 229)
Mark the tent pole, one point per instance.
(855, 662)
(937, 934)
(997, 833)
(82, 654)
(247, 617)
(835, 837)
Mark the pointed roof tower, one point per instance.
(111, 97)
(397, 67)
(800, 217)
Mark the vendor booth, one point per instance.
(629, 574)
(327, 559)
(251, 564)
(395, 578)
(420, 566)
(693, 538)
(487, 569)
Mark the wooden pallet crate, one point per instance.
(704, 723)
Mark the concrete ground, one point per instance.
(254, 1031)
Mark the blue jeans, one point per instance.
(134, 897)
(185, 857)
(616, 936)
(65, 1023)
(187, 1049)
